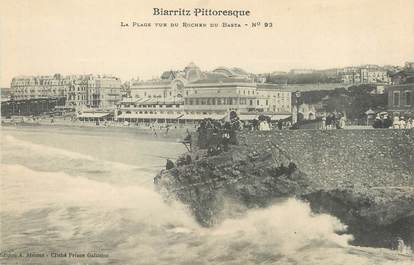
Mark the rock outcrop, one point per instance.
(363, 177)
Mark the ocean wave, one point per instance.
(134, 221)
(25, 189)
(290, 224)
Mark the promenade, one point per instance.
(157, 131)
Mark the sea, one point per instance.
(86, 196)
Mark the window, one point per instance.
(396, 98)
(408, 98)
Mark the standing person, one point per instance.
(202, 135)
(167, 129)
(264, 126)
(342, 122)
(396, 122)
(324, 122)
(225, 139)
(387, 121)
(280, 125)
(188, 141)
(409, 123)
(402, 123)
(377, 122)
(329, 121)
(214, 140)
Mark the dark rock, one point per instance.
(363, 177)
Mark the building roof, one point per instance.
(273, 117)
(157, 82)
(409, 86)
(230, 72)
(219, 95)
(153, 101)
(268, 86)
(149, 116)
(169, 74)
(213, 77)
(409, 72)
(93, 114)
(239, 71)
(128, 100)
(203, 116)
(369, 112)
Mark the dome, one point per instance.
(231, 72)
(192, 72)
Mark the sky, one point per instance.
(40, 37)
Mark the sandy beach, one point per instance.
(154, 131)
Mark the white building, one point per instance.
(79, 90)
(29, 87)
(271, 98)
(192, 95)
(366, 75)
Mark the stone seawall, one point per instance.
(363, 177)
(369, 158)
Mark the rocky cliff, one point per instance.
(363, 177)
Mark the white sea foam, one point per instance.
(26, 189)
(290, 224)
(141, 225)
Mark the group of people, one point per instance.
(333, 121)
(216, 136)
(264, 123)
(382, 121)
(396, 122)
(402, 122)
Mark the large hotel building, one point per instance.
(80, 91)
(192, 95)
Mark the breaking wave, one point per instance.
(135, 222)
(52, 208)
